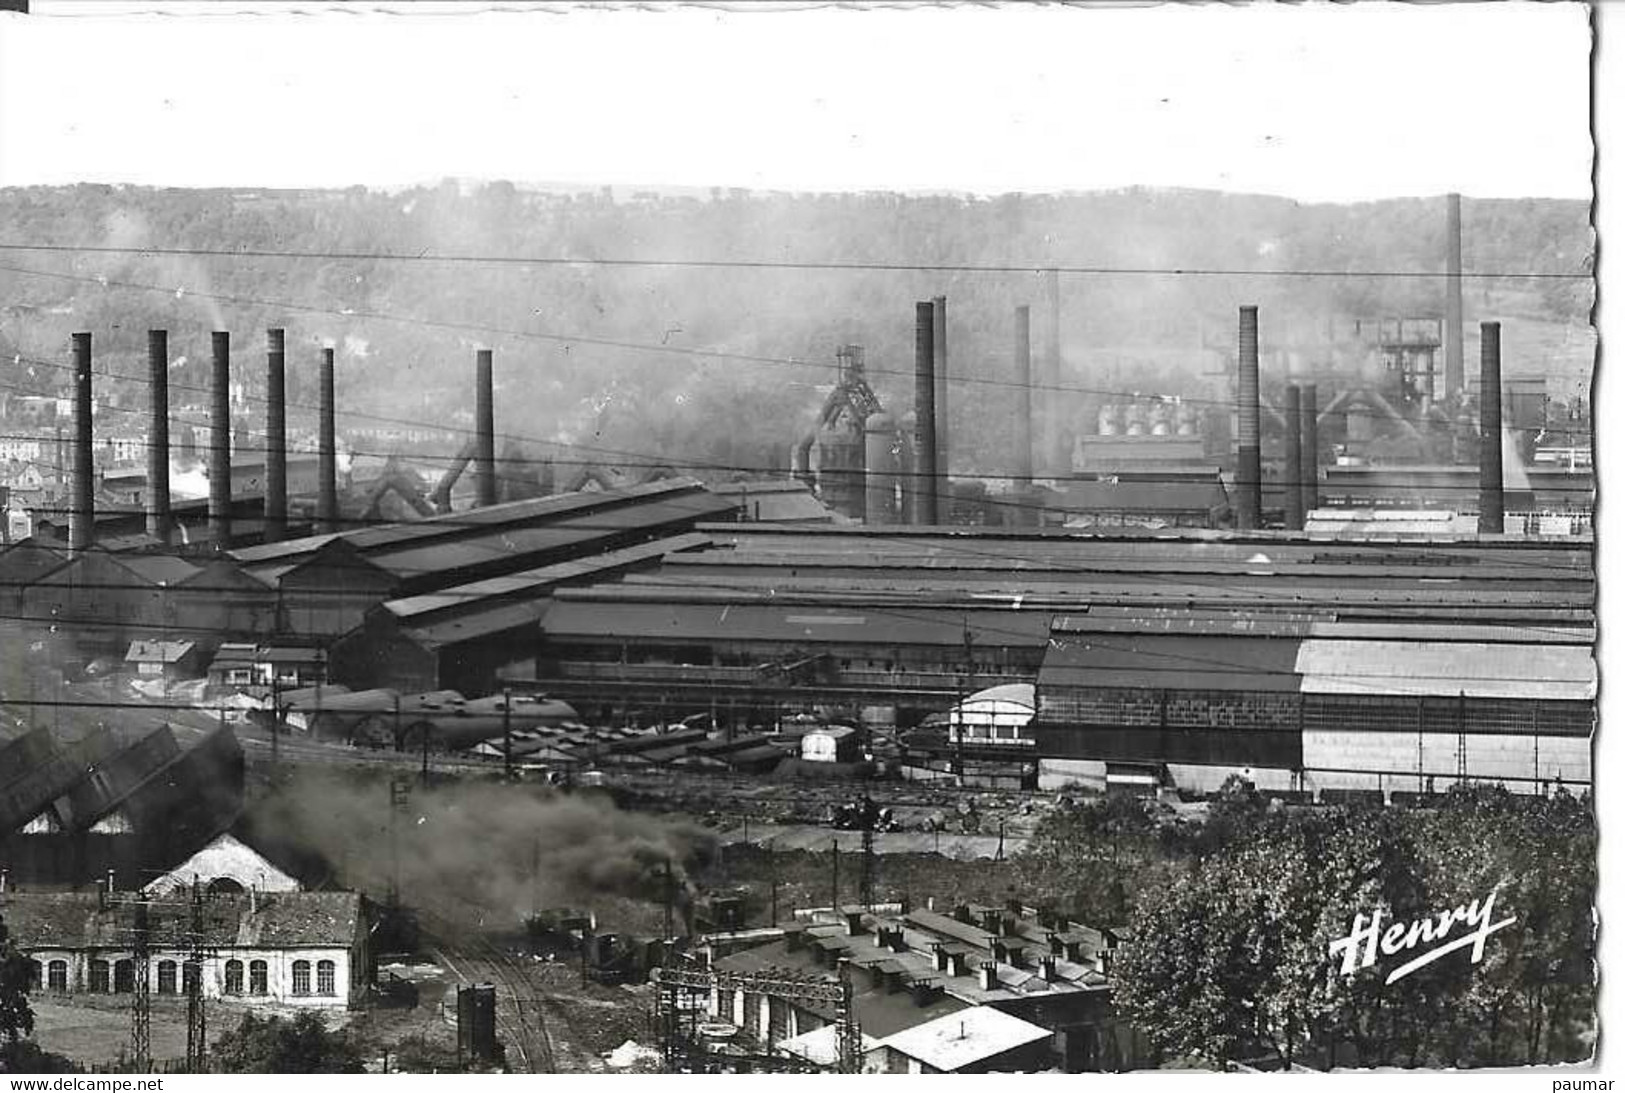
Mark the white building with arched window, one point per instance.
(283, 948)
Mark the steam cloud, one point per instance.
(481, 853)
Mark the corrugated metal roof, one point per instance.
(1464, 632)
(468, 521)
(164, 569)
(468, 626)
(804, 624)
(417, 560)
(1178, 661)
(1109, 619)
(537, 581)
(1475, 669)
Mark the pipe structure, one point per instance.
(925, 413)
(1455, 373)
(159, 521)
(1491, 500)
(939, 346)
(1309, 430)
(485, 432)
(276, 436)
(327, 486)
(220, 440)
(1249, 475)
(82, 505)
(1294, 458)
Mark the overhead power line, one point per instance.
(455, 258)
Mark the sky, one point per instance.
(1317, 102)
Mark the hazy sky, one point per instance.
(1318, 102)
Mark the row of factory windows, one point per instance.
(118, 977)
(985, 660)
(1173, 709)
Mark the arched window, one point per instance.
(225, 886)
(124, 977)
(36, 975)
(301, 977)
(325, 979)
(234, 977)
(100, 976)
(56, 975)
(166, 977)
(257, 977)
(191, 975)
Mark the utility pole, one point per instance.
(276, 719)
(773, 883)
(866, 863)
(196, 1020)
(423, 776)
(671, 898)
(507, 734)
(956, 723)
(141, 1009)
(835, 874)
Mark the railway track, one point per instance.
(519, 1018)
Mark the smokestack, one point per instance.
(1054, 461)
(939, 346)
(1455, 374)
(1022, 484)
(1491, 503)
(485, 432)
(220, 441)
(158, 519)
(82, 506)
(327, 487)
(276, 438)
(925, 412)
(1294, 459)
(1309, 438)
(1249, 477)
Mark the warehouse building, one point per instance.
(1307, 703)
(916, 971)
(109, 803)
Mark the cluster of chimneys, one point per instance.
(900, 472)
(1302, 471)
(160, 519)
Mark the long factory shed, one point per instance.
(920, 614)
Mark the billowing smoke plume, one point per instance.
(484, 854)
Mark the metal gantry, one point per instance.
(683, 1048)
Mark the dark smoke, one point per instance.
(481, 853)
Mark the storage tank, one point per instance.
(1160, 424)
(1134, 420)
(1109, 422)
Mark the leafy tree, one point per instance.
(18, 1054)
(278, 1045)
(1088, 862)
(16, 974)
(1231, 959)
